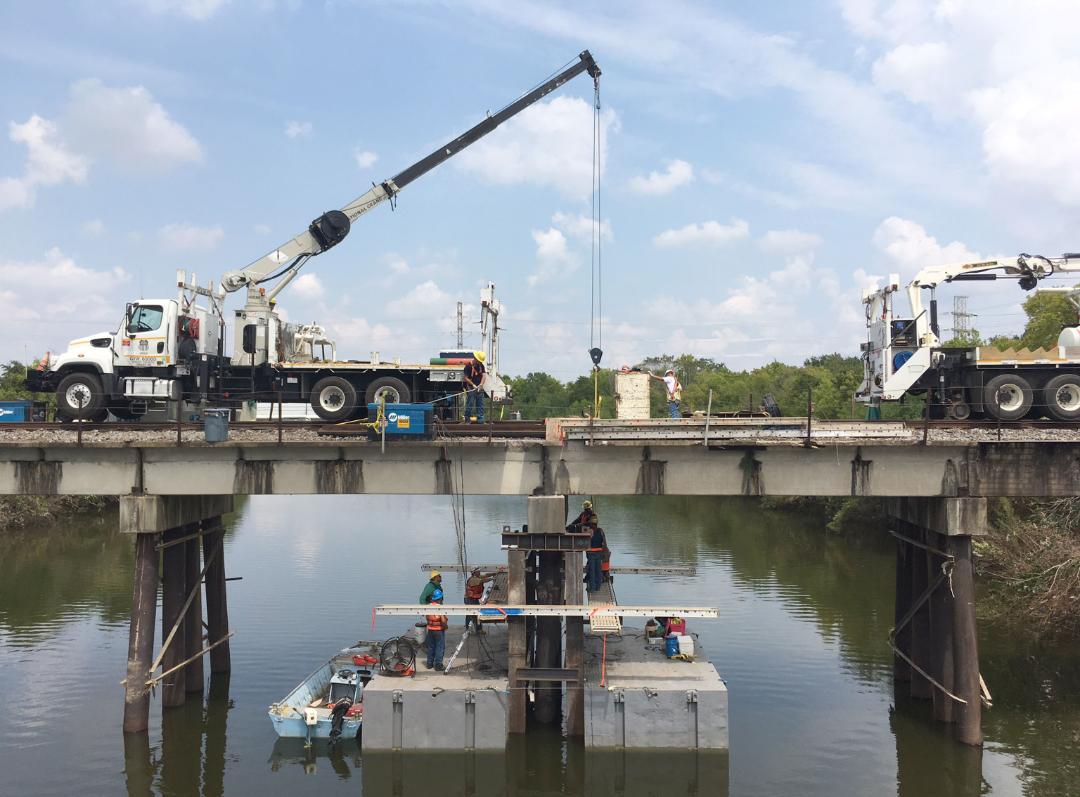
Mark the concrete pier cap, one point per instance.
(951, 517)
(150, 514)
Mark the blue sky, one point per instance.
(763, 164)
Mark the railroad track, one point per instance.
(494, 430)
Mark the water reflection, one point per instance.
(191, 758)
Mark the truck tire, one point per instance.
(85, 387)
(1062, 397)
(389, 387)
(333, 399)
(1007, 397)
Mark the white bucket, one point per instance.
(686, 644)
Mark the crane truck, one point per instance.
(903, 353)
(172, 350)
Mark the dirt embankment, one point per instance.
(18, 511)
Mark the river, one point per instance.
(800, 641)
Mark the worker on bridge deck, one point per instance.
(674, 392)
(594, 556)
(474, 591)
(436, 634)
(473, 377)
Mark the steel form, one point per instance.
(671, 570)
(522, 610)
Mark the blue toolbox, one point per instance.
(404, 420)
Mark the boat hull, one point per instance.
(295, 728)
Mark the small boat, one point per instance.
(329, 703)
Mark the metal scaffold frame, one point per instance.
(532, 610)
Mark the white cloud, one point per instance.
(295, 129)
(181, 237)
(47, 302)
(426, 300)
(48, 162)
(909, 245)
(548, 144)
(1006, 72)
(198, 10)
(708, 232)
(307, 286)
(554, 260)
(677, 174)
(581, 226)
(126, 125)
(358, 335)
(550, 244)
(365, 159)
(789, 242)
(94, 228)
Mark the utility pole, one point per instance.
(961, 317)
(460, 325)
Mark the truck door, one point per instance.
(148, 337)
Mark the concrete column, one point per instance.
(965, 644)
(173, 580)
(515, 593)
(193, 620)
(902, 602)
(941, 635)
(920, 624)
(141, 634)
(217, 605)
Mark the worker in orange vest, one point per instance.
(594, 556)
(474, 591)
(436, 635)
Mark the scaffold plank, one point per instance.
(522, 610)
(663, 570)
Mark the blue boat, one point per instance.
(328, 704)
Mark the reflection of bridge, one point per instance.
(937, 483)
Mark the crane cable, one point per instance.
(596, 287)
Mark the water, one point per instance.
(800, 641)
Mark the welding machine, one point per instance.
(404, 420)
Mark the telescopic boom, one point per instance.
(330, 228)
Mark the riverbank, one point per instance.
(19, 511)
(1028, 565)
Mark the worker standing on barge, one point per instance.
(474, 591)
(594, 557)
(436, 634)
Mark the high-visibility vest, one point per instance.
(436, 622)
(474, 590)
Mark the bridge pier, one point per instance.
(170, 527)
(935, 635)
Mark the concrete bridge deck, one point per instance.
(667, 458)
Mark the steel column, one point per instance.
(141, 634)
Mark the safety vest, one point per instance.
(436, 622)
(474, 590)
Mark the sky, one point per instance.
(762, 164)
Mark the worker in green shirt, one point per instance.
(434, 583)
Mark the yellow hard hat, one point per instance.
(435, 574)
(586, 504)
(480, 355)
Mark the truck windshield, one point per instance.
(145, 318)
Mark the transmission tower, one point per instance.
(460, 325)
(961, 317)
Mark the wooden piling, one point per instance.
(920, 623)
(193, 620)
(217, 605)
(941, 635)
(515, 593)
(173, 688)
(141, 634)
(965, 643)
(902, 601)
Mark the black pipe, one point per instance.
(934, 319)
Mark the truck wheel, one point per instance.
(80, 388)
(1007, 397)
(1062, 397)
(333, 399)
(389, 388)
